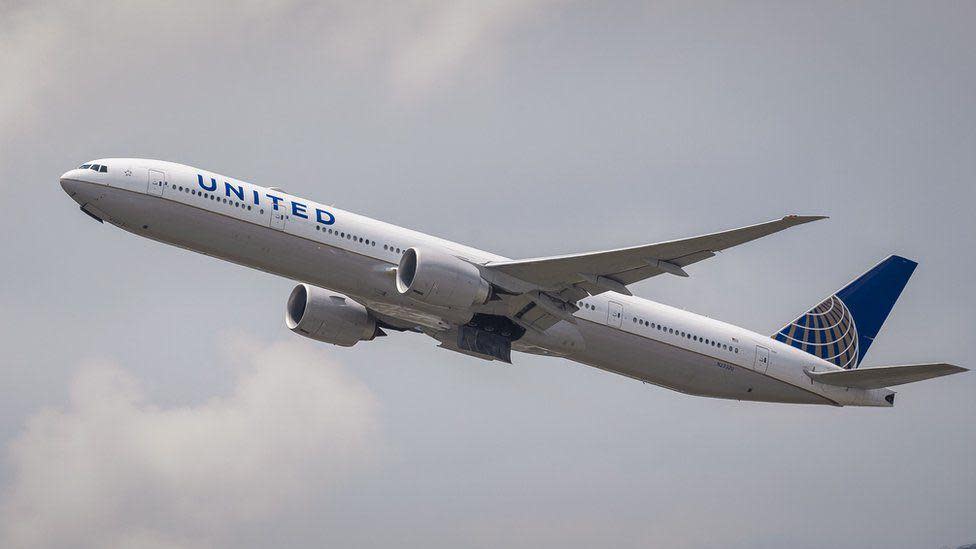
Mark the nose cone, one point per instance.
(77, 184)
(69, 182)
(66, 182)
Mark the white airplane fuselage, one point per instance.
(271, 230)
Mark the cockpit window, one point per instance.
(98, 168)
(84, 166)
(103, 168)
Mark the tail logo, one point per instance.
(828, 331)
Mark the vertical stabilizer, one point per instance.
(842, 327)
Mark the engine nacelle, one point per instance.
(439, 278)
(327, 316)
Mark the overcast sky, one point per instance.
(152, 397)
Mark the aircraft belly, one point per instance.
(682, 370)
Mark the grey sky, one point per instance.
(153, 398)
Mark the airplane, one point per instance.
(360, 278)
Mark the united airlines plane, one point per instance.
(360, 278)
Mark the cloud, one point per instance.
(111, 469)
(416, 46)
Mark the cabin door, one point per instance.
(278, 217)
(157, 180)
(615, 314)
(762, 359)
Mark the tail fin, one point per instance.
(841, 328)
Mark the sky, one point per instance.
(153, 398)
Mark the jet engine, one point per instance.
(326, 316)
(438, 278)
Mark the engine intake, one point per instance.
(438, 278)
(326, 316)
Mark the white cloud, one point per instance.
(415, 45)
(113, 470)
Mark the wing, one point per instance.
(543, 291)
(885, 376)
(613, 270)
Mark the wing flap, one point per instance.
(885, 376)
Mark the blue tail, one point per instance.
(841, 328)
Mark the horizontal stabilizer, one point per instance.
(884, 376)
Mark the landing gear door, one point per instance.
(157, 180)
(278, 218)
(615, 314)
(762, 359)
